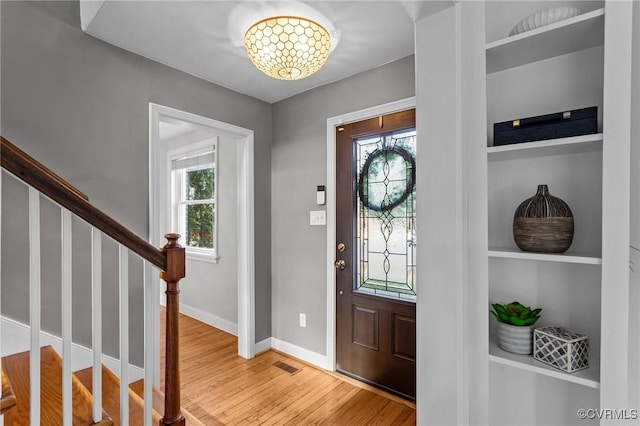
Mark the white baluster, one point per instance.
(96, 334)
(124, 335)
(34, 316)
(67, 307)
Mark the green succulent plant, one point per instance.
(515, 313)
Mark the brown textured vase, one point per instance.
(543, 223)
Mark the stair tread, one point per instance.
(111, 397)
(17, 368)
(8, 399)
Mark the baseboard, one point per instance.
(210, 319)
(16, 338)
(303, 354)
(263, 346)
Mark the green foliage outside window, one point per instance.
(200, 217)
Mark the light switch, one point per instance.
(317, 217)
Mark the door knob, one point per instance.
(340, 264)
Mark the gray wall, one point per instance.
(81, 107)
(298, 165)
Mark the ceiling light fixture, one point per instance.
(287, 47)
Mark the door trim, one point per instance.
(332, 122)
(245, 205)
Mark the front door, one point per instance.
(376, 252)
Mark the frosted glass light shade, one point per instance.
(287, 47)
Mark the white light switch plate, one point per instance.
(317, 217)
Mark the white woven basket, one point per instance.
(561, 348)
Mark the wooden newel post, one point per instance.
(175, 271)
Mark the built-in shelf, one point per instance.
(573, 34)
(568, 257)
(571, 145)
(589, 377)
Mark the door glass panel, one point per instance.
(385, 222)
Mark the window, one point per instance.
(194, 200)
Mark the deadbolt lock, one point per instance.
(341, 247)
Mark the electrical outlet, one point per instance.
(303, 320)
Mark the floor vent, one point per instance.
(286, 367)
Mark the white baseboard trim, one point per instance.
(16, 339)
(263, 345)
(207, 318)
(303, 354)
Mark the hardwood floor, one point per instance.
(220, 388)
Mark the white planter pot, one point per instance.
(515, 339)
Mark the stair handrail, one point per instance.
(34, 173)
(170, 259)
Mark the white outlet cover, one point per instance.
(317, 217)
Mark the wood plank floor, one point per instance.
(220, 388)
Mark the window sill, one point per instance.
(202, 257)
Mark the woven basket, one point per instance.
(561, 348)
(543, 223)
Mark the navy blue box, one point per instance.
(550, 126)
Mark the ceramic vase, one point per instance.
(543, 223)
(515, 339)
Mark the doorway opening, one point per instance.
(173, 136)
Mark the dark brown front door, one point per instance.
(375, 252)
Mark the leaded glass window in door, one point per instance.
(386, 215)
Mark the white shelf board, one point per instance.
(589, 377)
(567, 257)
(571, 145)
(571, 35)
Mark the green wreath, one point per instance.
(364, 178)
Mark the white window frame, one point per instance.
(177, 186)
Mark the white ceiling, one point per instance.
(204, 38)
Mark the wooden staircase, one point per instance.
(170, 260)
(15, 402)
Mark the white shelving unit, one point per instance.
(470, 75)
(555, 68)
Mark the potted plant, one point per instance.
(515, 326)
